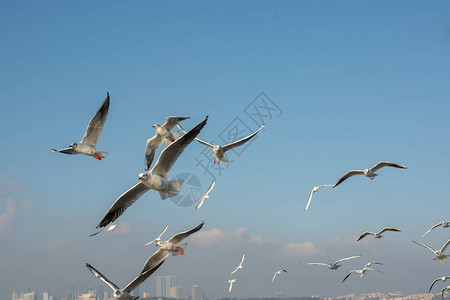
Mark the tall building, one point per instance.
(100, 292)
(177, 293)
(197, 292)
(30, 296)
(164, 284)
(45, 296)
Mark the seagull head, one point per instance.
(156, 126)
(160, 244)
(143, 176)
(73, 145)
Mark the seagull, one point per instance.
(443, 290)
(444, 224)
(124, 294)
(360, 272)
(443, 279)
(206, 195)
(378, 234)
(219, 151)
(240, 265)
(278, 273)
(315, 189)
(368, 172)
(159, 236)
(171, 246)
(438, 253)
(109, 228)
(162, 134)
(92, 134)
(372, 263)
(230, 284)
(156, 179)
(334, 265)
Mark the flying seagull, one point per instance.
(92, 134)
(206, 195)
(368, 172)
(163, 133)
(438, 253)
(378, 234)
(109, 228)
(240, 265)
(360, 272)
(171, 246)
(443, 279)
(230, 284)
(444, 224)
(156, 179)
(159, 236)
(443, 290)
(124, 294)
(372, 263)
(315, 189)
(278, 273)
(334, 265)
(219, 151)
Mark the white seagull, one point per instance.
(443, 279)
(88, 144)
(372, 263)
(278, 273)
(206, 195)
(240, 265)
(334, 265)
(109, 228)
(315, 189)
(368, 172)
(377, 235)
(443, 290)
(438, 253)
(219, 151)
(360, 272)
(163, 133)
(156, 179)
(159, 236)
(444, 224)
(171, 246)
(124, 294)
(230, 284)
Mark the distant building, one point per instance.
(45, 296)
(164, 284)
(279, 295)
(177, 293)
(197, 292)
(30, 296)
(100, 292)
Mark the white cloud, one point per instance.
(6, 218)
(298, 250)
(123, 228)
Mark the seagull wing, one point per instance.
(159, 236)
(347, 275)
(156, 259)
(318, 264)
(348, 175)
(382, 164)
(172, 121)
(177, 238)
(141, 278)
(445, 246)
(242, 260)
(170, 154)
(389, 229)
(275, 275)
(231, 285)
(439, 224)
(423, 245)
(436, 280)
(197, 139)
(150, 149)
(95, 127)
(364, 235)
(102, 277)
(65, 150)
(347, 258)
(241, 141)
(309, 199)
(122, 203)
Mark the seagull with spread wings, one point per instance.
(163, 133)
(444, 224)
(443, 279)
(334, 265)
(278, 273)
(443, 290)
(377, 235)
(240, 265)
(230, 284)
(360, 272)
(159, 236)
(368, 172)
(88, 144)
(219, 151)
(438, 253)
(315, 189)
(156, 178)
(206, 195)
(125, 293)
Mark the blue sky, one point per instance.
(357, 82)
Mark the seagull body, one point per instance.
(206, 195)
(438, 253)
(443, 279)
(230, 284)
(377, 235)
(219, 151)
(315, 189)
(360, 272)
(171, 246)
(278, 273)
(88, 144)
(240, 265)
(159, 236)
(125, 293)
(368, 172)
(444, 224)
(334, 265)
(163, 133)
(156, 179)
